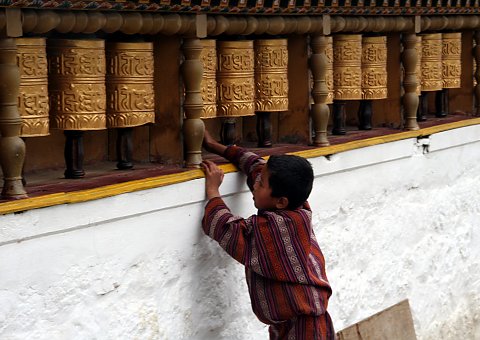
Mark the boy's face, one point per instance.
(262, 193)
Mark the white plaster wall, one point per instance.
(393, 222)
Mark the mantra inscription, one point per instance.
(235, 79)
(329, 71)
(347, 78)
(432, 62)
(33, 90)
(451, 59)
(77, 84)
(129, 78)
(418, 72)
(271, 75)
(374, 65)
(209, 82)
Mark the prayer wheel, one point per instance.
(33, 90)
(432, 79)
(374, 66)
(347, 61)
(77, 84)
(129, 79)
(235, 79)
(271, 75)
(329, 73)
(418, 49)
(209, 83)
(451, 59)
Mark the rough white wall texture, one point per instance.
(393, 222)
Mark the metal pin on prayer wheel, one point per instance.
(130, 93)
(271, 84)
(77, 94)
(347, 81)
(235, 83)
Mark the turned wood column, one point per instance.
(476, 53)
(410, 98)
(193, 127)
(319, 110)
(12, 147)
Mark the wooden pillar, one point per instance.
(12, 147)
(319, 110)
(410, 98)
(476, 53)
(193, 127)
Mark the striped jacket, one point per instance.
(285, 268)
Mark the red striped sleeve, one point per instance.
(247, 162)
(230, 231)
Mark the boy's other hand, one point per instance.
(213, 179)
(211, 145)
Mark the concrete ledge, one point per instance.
(155, 182)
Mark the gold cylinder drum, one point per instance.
(329, 73)
(347, 62)
(432, 79)
(33, 91)
(271, 75)
(77, 84)
(209, 82)
(418, 49)
(235, 79)
(374, 68)
(129, 79)
(451, 60)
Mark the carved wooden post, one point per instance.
(319, 110)
(410, 98)
(476, 53)
(193, 127)
(12, 147)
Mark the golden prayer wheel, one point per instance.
(235, 79)
(33, 89)
(329, 73)
(271, 75)
(129, 79)
(209, 83)
(418, 49)
(451, 59)
(77, 84)
(347, 61)
(432, 79)
(374, 68)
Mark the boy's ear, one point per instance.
(282, 202)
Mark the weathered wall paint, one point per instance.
(395, 221)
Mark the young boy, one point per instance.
(284, 265)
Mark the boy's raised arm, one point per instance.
(246, 161)
(211, 145)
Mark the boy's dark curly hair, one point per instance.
(291, 177)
